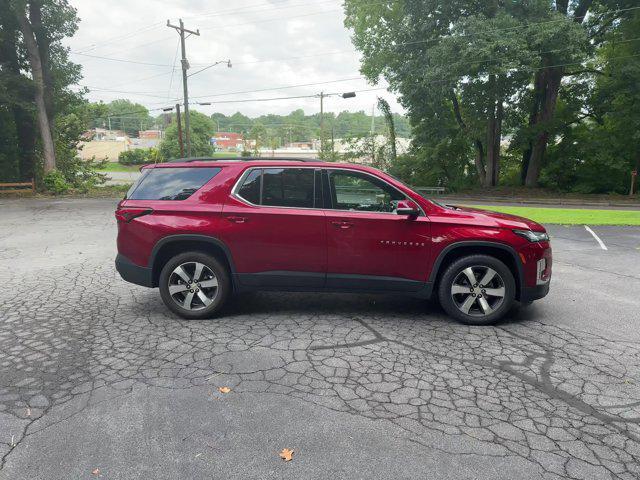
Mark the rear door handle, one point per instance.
(342, 224)
(237, 219)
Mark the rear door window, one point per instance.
(171, 183)
(282, 187)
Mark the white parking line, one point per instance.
(602, 245)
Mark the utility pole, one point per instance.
(185, 66)
(179, 130)
(373, 134)
(322, 95)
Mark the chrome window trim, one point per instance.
(247, 172)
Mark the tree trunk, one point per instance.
(533, 114)
(480, 154)
(480, 163)
(43, 42)
(494, 133)
(48, 148)
(551, 78)
(498, 140)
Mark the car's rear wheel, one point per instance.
(477, 290)
(194, 285)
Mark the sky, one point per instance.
(271, 44)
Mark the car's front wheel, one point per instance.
(194, 285)
(477, 290)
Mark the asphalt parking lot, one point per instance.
(98, 380)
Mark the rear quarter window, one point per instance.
(171, 183)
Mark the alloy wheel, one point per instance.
(193, 286)
(478, 291)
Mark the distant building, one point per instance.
(104, 135)
(228, 141)
(356, 148)
(136, 143)
(301, 145)
(150, 134)
(103, 144)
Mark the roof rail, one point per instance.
(243, 159)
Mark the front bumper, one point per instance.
(133, 273)
(529, 294)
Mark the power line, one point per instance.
(276, 19)
(158, 24)
(280, 88)
(373, 89)
(123, 60)
(121, 37)
(142, 94)
(149, 77)
(252, 7)
(155, 25)
(175, 59)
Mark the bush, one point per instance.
(139, 156)
(55, 182)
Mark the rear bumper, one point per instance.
(134, 273)
(529, 294)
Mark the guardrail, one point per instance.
(430, 190)
(18, 187)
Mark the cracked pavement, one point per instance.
(96, 373)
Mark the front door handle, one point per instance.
(237, 219)
(342, 224)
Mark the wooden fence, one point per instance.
(18, 187)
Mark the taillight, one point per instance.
(126, 214)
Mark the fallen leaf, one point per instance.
(224, 389)
(286, 454)
(95, 471)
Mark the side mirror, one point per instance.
(407, 208)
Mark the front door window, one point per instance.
(359, 192)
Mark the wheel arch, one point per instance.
(457, 250)
(173, 245)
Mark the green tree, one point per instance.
(35, 29)
(473, 71)
(258, 134)
(35, 75)
(600, 132)
(202, 130)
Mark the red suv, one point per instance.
(201, 229)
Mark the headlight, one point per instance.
(533, 236)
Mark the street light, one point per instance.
(322, 96)
(228, 62)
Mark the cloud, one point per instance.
(272, 43)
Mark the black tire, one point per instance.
(477, 315)
(219, 295)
